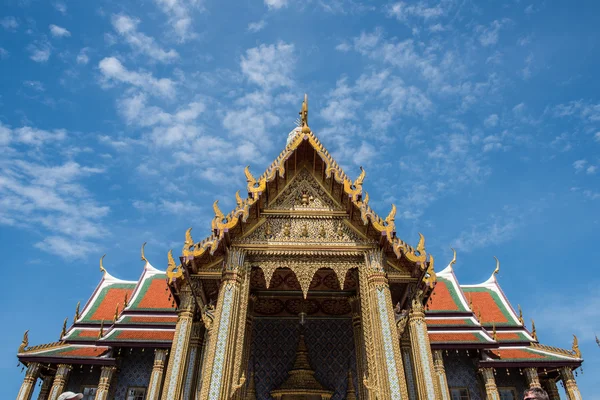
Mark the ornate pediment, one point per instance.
(304, 193)
(298, 230)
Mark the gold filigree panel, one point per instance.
(304, 193)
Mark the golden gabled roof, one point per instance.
(222, 223)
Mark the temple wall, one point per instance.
(83, 377)
(134, 370)
(330, 347)
(461, 371)
(514, 380)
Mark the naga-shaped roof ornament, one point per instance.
(102, 269)
(304, 115)
(521, 320)
(189, 241)
(143, 255)
(63, 332)
(77, 312)
(575, 347)
(174, 271)
(533, 331)
(25, 342)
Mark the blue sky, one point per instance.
(121, 122)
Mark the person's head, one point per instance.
(70, 396)
(535, 393)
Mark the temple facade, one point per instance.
(301, 292)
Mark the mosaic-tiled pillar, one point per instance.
(60, 381)
(571, 388)
(160, 356)
(106, 374)
(408, 366)
(28, 385)
(358, 345)
(385, 371)
(173, 385)
(45, 389)
(550, 386)
(531, 374)
(241, 394)
(192, 369)
(425, 378)
(224, 374)
(491, 390)
(440, 371)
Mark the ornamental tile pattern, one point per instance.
(457, 337)
(512, 378)
(184, 326)
(103, 307)
(135, 370)
(445, 298)
(189, 373)
(330, 346)
(153, 295)
(424, 349)
(219, 360)
(83, 375)
(488, 303)
(410, 379)
(387, 345)
(461, 372)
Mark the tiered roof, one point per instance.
(119, 313)
(480, 316)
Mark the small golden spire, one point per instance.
(101, 332)
(189, 242)
(494, 333)
(575, 347)
(521, 320)
(126, 301)
(102, 265)
(143, 255)
(497, 266)
(479, 316)
(238, 198)
(304, 115)
(453, 256)
(116, 316)
(421, 244)
(25, 342)
(63, 332)
(533, 332)
(77, 312)
(471, 302)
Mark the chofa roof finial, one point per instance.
(102, 269)
(453, 256)
(304, 115)
(144, 255)
(497, 266)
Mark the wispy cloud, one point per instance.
(40, 51)
(497, 230)
(112, 70)
(403, 11)
(58, 31)
(257, 26)
(269, 65)
(126, 27)
(61, 7)
(488, 35)
(83, 56)
(276, 4)
(180, 16)
(9, 23)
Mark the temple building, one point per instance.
(300, 292)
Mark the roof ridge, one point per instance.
(555, 350)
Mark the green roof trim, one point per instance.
(453, 294)
(142, 293)
(499, 304)
(100, 299)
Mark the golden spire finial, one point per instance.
(497, 266)
(471, 302)
(304, 115)
(494, 333)
(533, 332)
(479, 316)
(101, 332)
(125, 302)
(116, 316)
(63, 332)
(189, 242)
(25, 341)
(143, 255)
(521, 320)
(453, 256)
(102, 265)
(77, 312)
(575, 347)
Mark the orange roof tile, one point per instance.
(143, 335)
(454, 337)
(442, 299)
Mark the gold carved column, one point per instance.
(60, 381)
(384, 378)
(440, 371)
(491, 390)
(358, 345)
(173, 385)
(223, 372)
(550, 386)
(106, 375)
(160, 356)
(193, 366)
(426, 381)
(45, 389)
(571, 388)
(531, 374)
(28, 385)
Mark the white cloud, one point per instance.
(126, 27)
(61, 7)
(35, 85)
(3, 53)
(597, 136)
(402, 11)
(579, 165)
(488, 35)
(29, 135)
(58, 31)
(9, 23)
(40, 51)
(180, 16)
(483, 235)
(112, 69)
(276, 4)
(269, 66)
(257, 26)
(83, 57)
(591, 169)
(491, 121)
